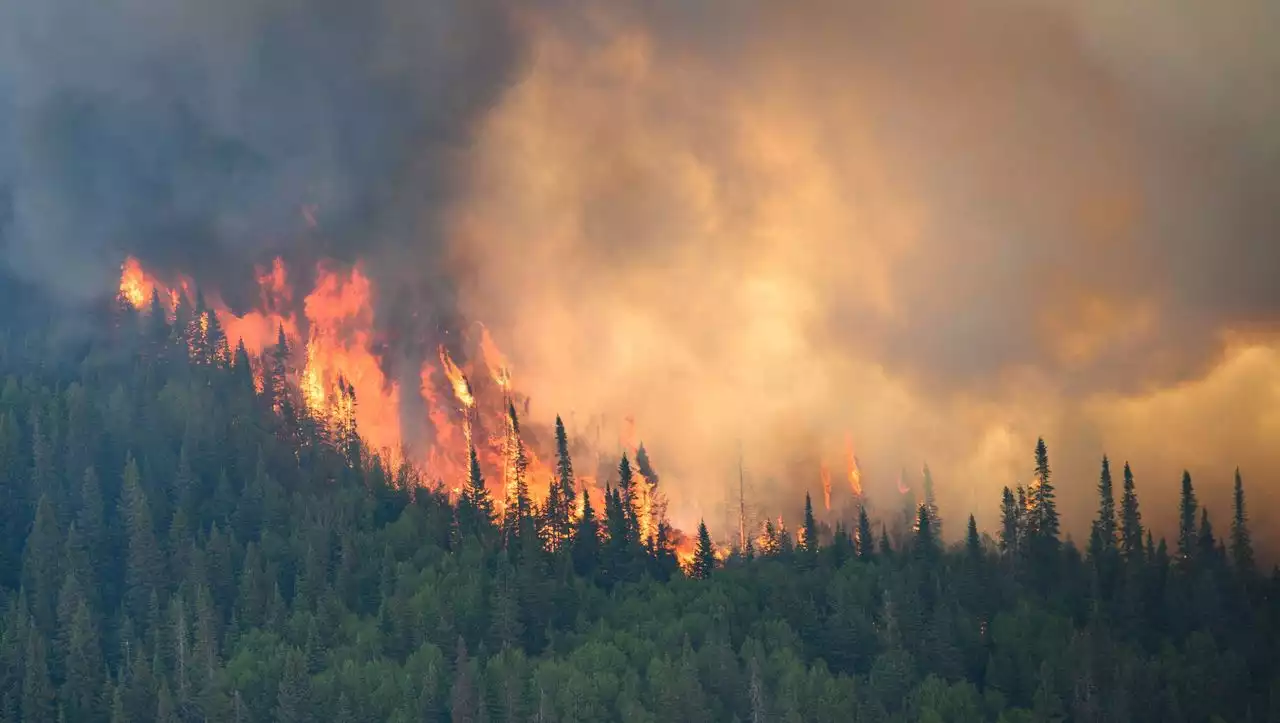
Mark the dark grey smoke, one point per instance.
(194, 134)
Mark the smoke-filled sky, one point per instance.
(940, 229)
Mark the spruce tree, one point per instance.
(620, 549)
(82, 665)
(926, 541)
(475, 507)
(1130, 519)
(704, 554)
(144, 561)
(565, 482)
(293, 696)
(517, 517)
(645, 466)
(866, 541)
(1044, 527)
(1187, 507)
(931, 503)
(242, 370)
(1105, 525)
(1206, 542)
(157, 323)
(972, 542)
(41, 576)
(627, 494)
(1009, 522)
(586, 540)
(1241, 543)
(810, 526)
(39, 698)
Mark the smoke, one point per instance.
(944, 229)
(209, 137)
(938, 229)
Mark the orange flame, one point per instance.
(826, 487)
(499, 365)
(340, 346)
(855, 473)
(134, 286)
(461, 387)
(340, 377)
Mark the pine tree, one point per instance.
(931, 503)
(41, 576)
(216, 339)
(1187, 507)
(1130, 519)
(144, 563)
(39, 703)
(242, 370)
(1044, 527)
(926, 542)
(293, 697)
(1105, 525)
(517, 516)
(1023, 516)
(972, 542)
(620, 548)
(704, 554)
(565, 484)
(1206, 542)
(866, 541)
(627, 493)
(475, 507)
(1241, 543)
(465, 701)
(1009, 523)
(810, 542)
(645, 466)
(586, 540)
(157, 322)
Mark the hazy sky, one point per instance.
(938, 229)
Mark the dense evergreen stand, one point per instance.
(177, 546)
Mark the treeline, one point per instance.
(180, 542)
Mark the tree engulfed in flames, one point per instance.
(339, 376)
(337, 371)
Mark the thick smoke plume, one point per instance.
(937, 229)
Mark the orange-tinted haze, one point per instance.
(947, 232)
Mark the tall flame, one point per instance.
(826, 488)
(499, 365)
(334, 364)
(341, 346)
(855, 473)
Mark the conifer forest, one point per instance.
(182, 541)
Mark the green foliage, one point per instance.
(177, 545)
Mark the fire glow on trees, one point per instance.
(339, 375)
(336, 370)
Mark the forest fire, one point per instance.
(854, 470)
(825, 472)
(339, 375)
(337, 370)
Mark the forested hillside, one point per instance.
(180, 543)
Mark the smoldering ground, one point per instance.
(938, 229)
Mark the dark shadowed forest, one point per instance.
(180, 542)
